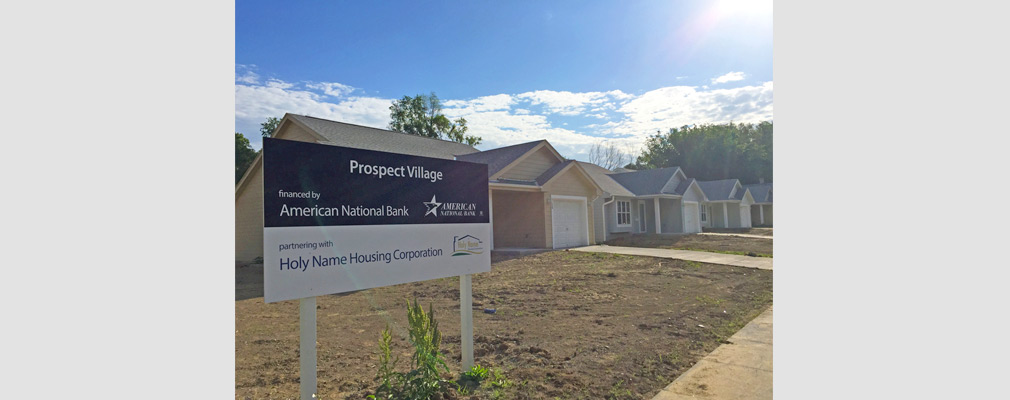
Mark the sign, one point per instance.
(338, 219)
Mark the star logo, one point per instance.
(432, 206)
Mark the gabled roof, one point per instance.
(499, 158)
(684, 184)
(363, 137)
(602, 178)
(552, 171)
(650, 181)
(762, 192)
(721, 189)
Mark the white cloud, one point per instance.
(331, 88)
(730, 77)
(571, 121)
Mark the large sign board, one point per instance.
(338, 219)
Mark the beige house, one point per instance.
(538, 199)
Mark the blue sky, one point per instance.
(574, 73)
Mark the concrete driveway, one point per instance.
(700, 256)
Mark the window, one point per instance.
(704, 213)
(623, 213)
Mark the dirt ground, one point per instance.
(567, 325)
(749, 231)
(716, 243)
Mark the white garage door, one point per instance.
(692, 218)
(569, 223)
(745, 216)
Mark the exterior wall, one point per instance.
(716, 217)
(518, 219)
(670, 216)
(650, 216)
(755, 215)
(569, 183)
(693, 194)
(734, 214)
(249, 217)
(599, 214)
(532, 166)
(768, 214)
(671, 186)
(249, 203)
(612, 217)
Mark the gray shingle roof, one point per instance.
(363, 137)
(720, 190)
(650, 181)
(762, 192)
(553, 170)
(682, 187)
(499, 158)
(602, 177)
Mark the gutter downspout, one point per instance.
(612, 199)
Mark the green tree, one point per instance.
(268, 127)
(422, 115)
(713, 151)
(244, 155)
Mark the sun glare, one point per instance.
(748, 8)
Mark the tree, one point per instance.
(244, 155)
(608, 156)
(422, 115)
(713, 151)
(268, 127)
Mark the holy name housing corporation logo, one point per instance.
(461, 245)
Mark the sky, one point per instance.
(574, 73)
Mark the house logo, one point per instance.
(466, 246)
(451, 209)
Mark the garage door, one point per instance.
(745, 216)
(569, 223)
(692, 219)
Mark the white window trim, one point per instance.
(618, 212)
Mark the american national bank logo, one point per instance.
(466, 245)
(451, 209)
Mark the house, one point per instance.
(728, 204)
(249, 190)
(761, 210)
(538, 199)
(651, 201)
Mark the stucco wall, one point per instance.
(518, 219)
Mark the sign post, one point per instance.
(307, 346)
(338, 219)
(466, 322)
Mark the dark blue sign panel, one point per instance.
(308, 184)
(339, 219)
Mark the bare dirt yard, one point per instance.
(749, 231)
(714, 243)
(567, 325)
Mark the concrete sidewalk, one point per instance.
(739, 370)
(746, 235)
(700, 256)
